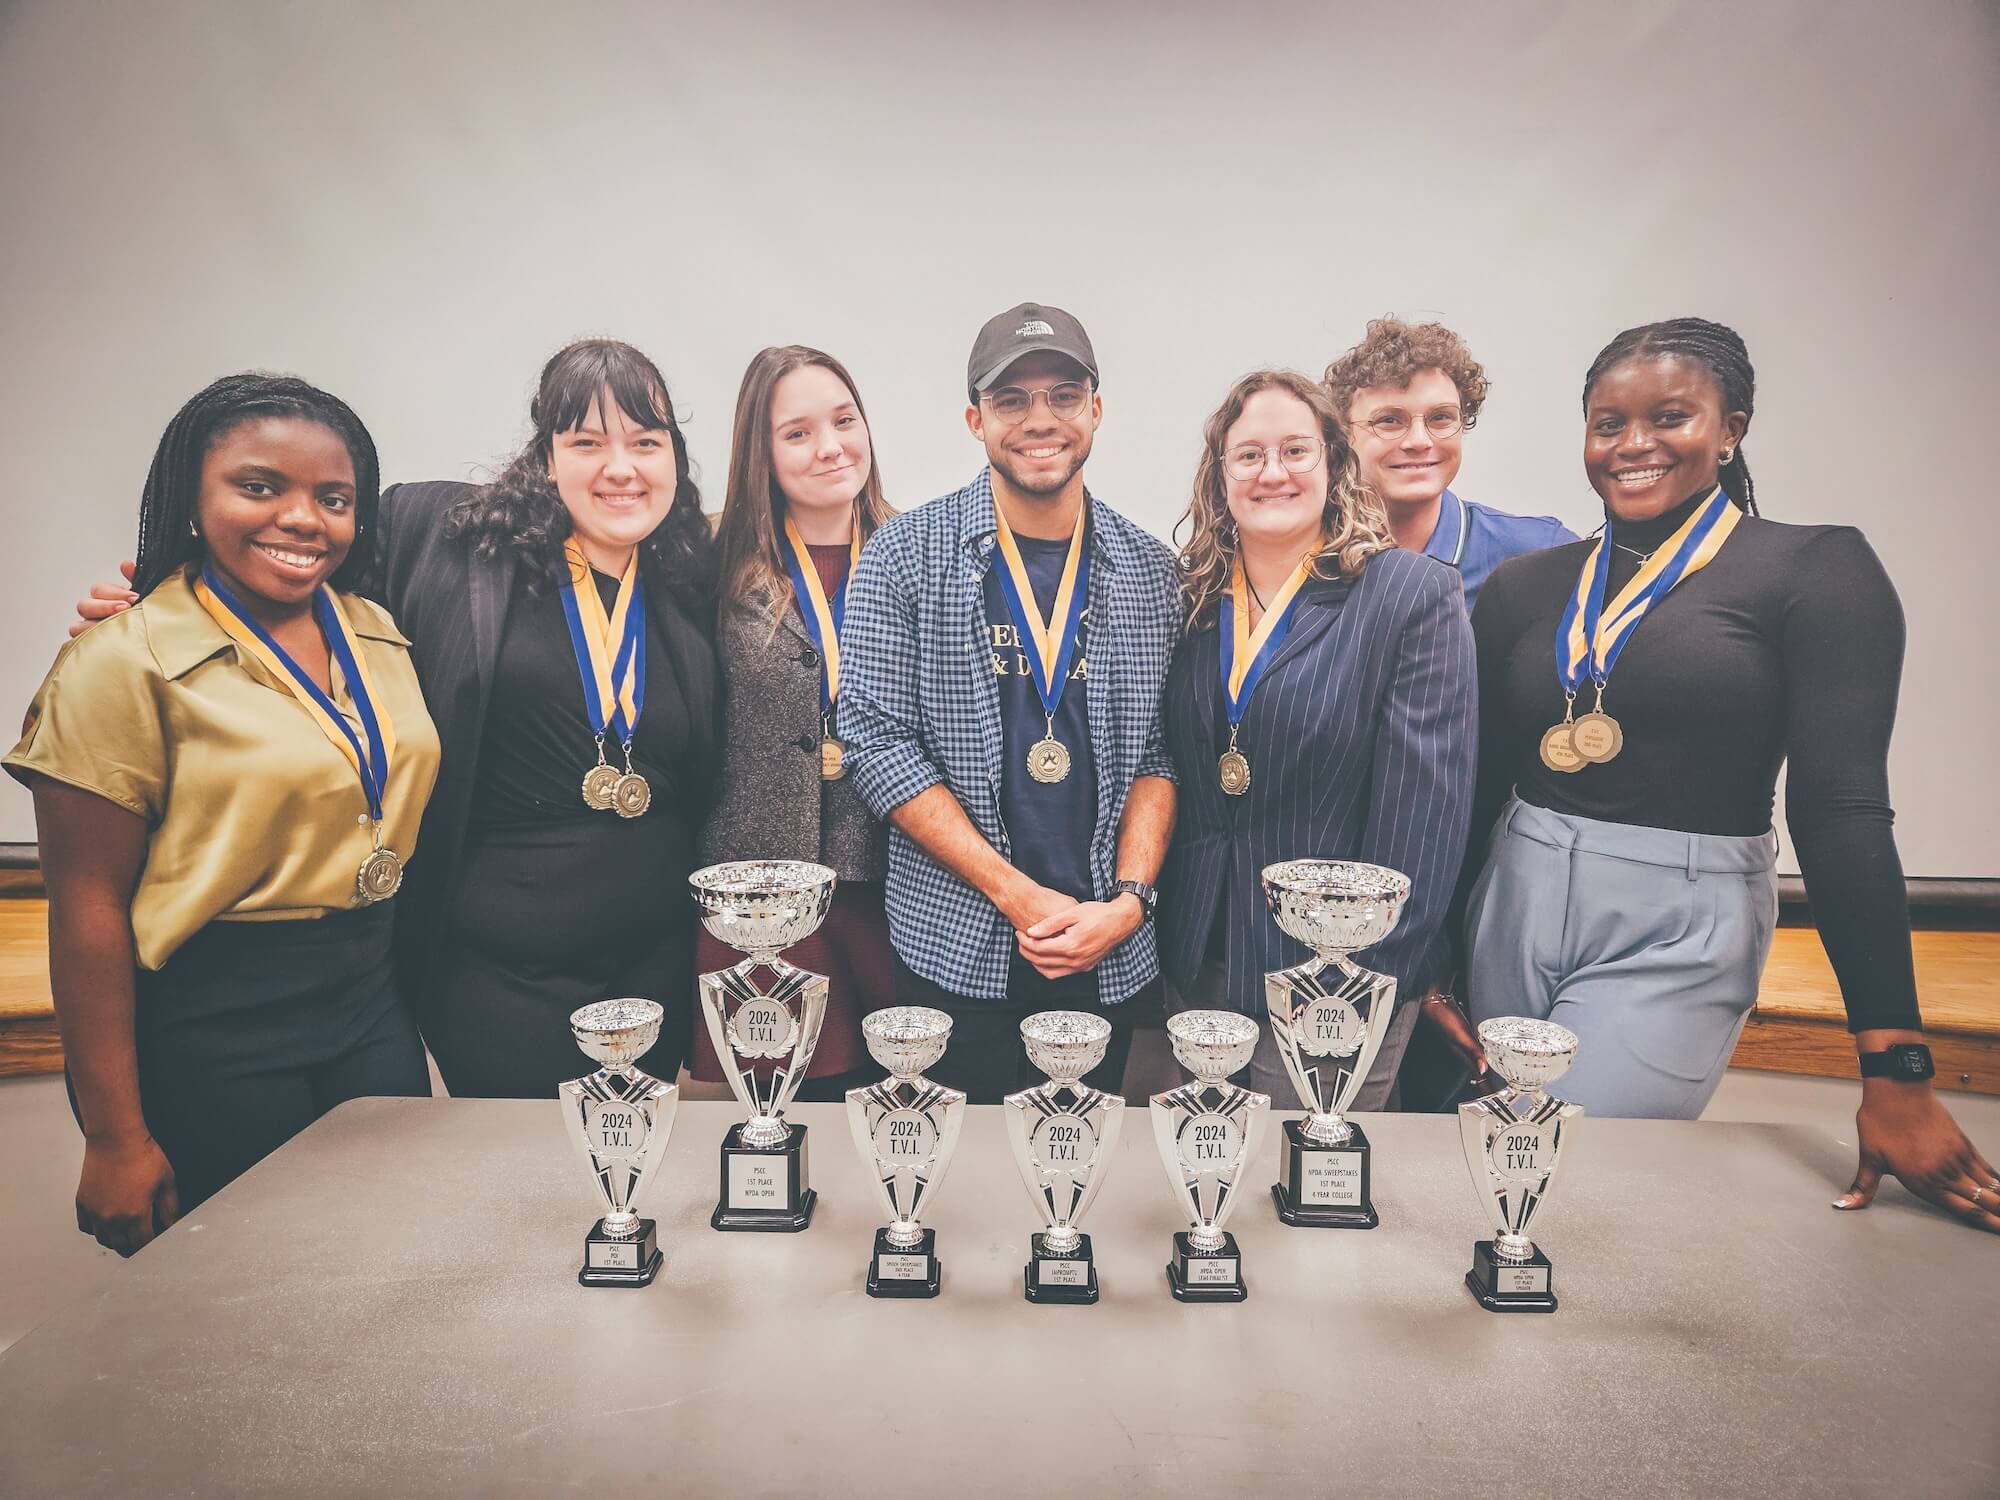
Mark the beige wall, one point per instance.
(414, 209)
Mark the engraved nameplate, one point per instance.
(1330, 1177)
(1521, 1279)
(1062, 1273)
(614, 1255)
(757, 1181)
(902, 1268)
(1217, 1270)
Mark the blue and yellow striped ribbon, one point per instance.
(1247, 653)
(1051, 646)
(608, 649)
(823, 616)
(1589, 635)
(370, 752)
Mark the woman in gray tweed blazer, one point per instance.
(803, 496)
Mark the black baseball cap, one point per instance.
(1030, 328)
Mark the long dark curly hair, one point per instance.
(168, 504)
(521, 510)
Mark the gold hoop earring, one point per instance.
(1728, 457)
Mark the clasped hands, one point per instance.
(1060, 935)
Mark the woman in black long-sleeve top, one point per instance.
(1359, 734)
(1629, 891)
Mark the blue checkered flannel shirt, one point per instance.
(919, 708)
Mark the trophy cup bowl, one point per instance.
(1065, 1044)
(762, 906)
(1212, 1044)
(1513, 1142)
(619, 1119)
(1526, 1052)
(617, 1033)
(906, 1039)
(1335, 906)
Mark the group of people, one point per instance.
(347, 772)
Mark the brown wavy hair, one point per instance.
(753, 508)
(1394, 353)
(1356, 526)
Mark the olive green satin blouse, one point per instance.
(254, 814)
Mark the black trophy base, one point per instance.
(764, 1188)
(1511, 1285)
(1206, 1275)
(632, 1261)
(899, 1271)
(1324, 1187)
(1048, 1277)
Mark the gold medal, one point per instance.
(1558, 754)
(1596, 737)
(832, 759)
(1234, 770)
(631, 796)
(379, 878)
(1048, 760)
(599, 783)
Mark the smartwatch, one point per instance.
(1909, 1061)
(1148, 896)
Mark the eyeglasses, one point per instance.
(1299, 455)
(1012, 403)
(1441, 423)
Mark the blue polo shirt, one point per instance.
(1476, 539)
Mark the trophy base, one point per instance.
(1511, 1285)
(896, 1271)
(1070, 1278)
(632, 1261)
(1206, 1275)
(1324, 1187)
(764, 1188)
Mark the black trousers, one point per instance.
(986, 1057)
(253, 1030)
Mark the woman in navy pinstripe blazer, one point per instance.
(1358, 722)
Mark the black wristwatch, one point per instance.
(1148, 896)
(1909, 1061)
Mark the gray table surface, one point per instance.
(388, 1305)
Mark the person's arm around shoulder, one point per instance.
(1843, 656)
(881, 726)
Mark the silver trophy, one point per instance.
(1328, 1016)
(905, 1128)
(763, 1018)
(1063, 1133)
(1206, 1132)
(1513, 1144)
(620, 1119)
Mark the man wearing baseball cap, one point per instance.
(1003, 654)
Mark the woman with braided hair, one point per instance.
(227, 779)
(1638, 695)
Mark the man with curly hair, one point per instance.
(1410, 392)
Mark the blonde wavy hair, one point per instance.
(1356, 525)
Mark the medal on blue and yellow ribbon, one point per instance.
(1247, 655)
(611, 659)
(1051, 645)
(370, 751)
(823, 618)
(1590, 635)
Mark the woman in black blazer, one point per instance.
(1357, 736)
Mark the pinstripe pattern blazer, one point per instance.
(453, 607)
(1361, 737)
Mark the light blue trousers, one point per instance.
(1647, 943)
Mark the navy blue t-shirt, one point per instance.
(1049, 826)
